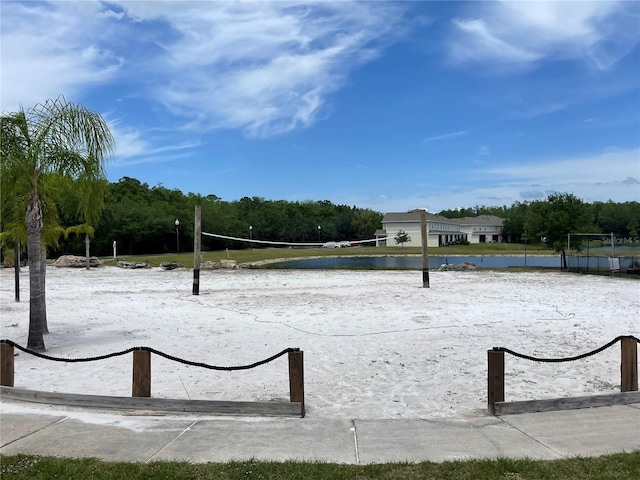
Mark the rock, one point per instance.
(450, 267)
(171, 265)
(74, 261)
(209, 265)
(224, 263)
(123, 264)
(249, 265)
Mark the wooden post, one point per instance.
(495, 378)
(425, 254)
(141, 373)
(296, 378)
(629, 365)
(6, 365)
(197, 236)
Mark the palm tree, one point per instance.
(55, 138)
(82, 199)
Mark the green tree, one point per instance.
(551, 220)
(81, 201)
(53, 138)
(514, 224)
(365, 223)
(619, 218)
(401, 238)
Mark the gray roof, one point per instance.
(414, 216)
(481, 220)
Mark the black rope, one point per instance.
(213, 367)
(152, 350)
(568, 359)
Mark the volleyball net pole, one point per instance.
(197, 237)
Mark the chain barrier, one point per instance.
(151, 350)
(568, 359)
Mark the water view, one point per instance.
(415, 262)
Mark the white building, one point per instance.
(441, 231)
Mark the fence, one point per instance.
(141, 384)
(618, 266)
(628, 381)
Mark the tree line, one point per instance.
(549, 221)
(142, 220)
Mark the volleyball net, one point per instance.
(294, 244)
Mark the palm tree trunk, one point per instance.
(37, 308)
(16, 266)
(43, 277)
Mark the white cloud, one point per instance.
(134, 147)
(445, 136)
(519, 33)
(482, 45)
(265, 67)
(262, 67)
(610, 167)
(46, 52)
(611, 176)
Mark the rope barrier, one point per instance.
(152, 350)
(568, 359)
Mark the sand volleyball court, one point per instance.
(376, 344)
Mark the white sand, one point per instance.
(376, 344)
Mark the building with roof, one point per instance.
(441, 231)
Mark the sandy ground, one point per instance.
(376, 343)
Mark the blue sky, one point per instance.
(383, 105)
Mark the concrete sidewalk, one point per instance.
(148, 438)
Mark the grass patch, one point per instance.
(620, 466)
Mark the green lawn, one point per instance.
(624, 466)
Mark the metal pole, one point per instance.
(612, 247)
(177, 222)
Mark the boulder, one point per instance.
(123, 264)
(250, 265)
(171, 265)
(224, 263)
(450, 267)
(74, 261)
(209, 265)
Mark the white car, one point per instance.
(331, 245)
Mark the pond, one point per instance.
(415, 262)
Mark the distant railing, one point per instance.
(141, 384)
(628, 379)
